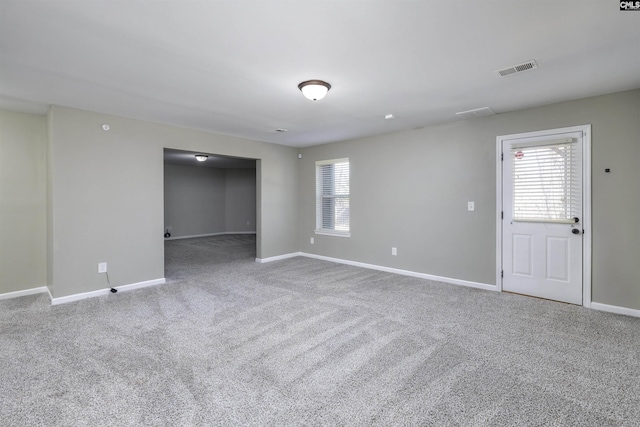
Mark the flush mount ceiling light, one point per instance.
(314, 89)
(201, 157)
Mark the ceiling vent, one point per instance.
(478, 112)
(526, 66)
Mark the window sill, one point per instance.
(333, 233)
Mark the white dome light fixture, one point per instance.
(201, 157)
(314, 89)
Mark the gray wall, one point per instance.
(23, 139)
(49, 202)
(410, 190)
(107, 196)
(193, 200)
(104, 198)
(240, 200)
(205, 200)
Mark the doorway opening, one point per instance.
(543, 230)
(210, 208)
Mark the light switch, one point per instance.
(471, 206)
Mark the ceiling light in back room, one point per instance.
(389, 117)
(314, 89)
(201, 157)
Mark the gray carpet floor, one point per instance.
(303, 342)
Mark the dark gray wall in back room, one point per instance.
(203, 200)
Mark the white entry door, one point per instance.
(542, 221)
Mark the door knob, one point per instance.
(575, 231)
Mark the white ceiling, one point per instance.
(232, 67)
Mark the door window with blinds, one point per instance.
(545, 182)
(332, 197)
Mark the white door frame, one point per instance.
(586, 198)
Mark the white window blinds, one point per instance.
(546, 186)
(332, 196)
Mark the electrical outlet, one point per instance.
(394, 251)
(312, 241)
(102, 267)
(471, 206)
(248, 222)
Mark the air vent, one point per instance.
(526, 66)
(478, 112)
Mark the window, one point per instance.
(545, 187)
(332, 197)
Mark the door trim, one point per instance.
(586, 198)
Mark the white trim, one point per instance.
(106, 291)
(209, 234)
(615, 309)
(499, 213)
(333, 233)
(23, 293)
(586, 198)
(460, 282)
(278, 257)
(545, 220)
(332, 161)
(586, 213)
(540, 143)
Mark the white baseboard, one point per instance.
(23, 293)
(106, 291)
(209, 235)
(381, 268)
(449, 280)
(279, 257)
(615, 309)
(594, 305)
